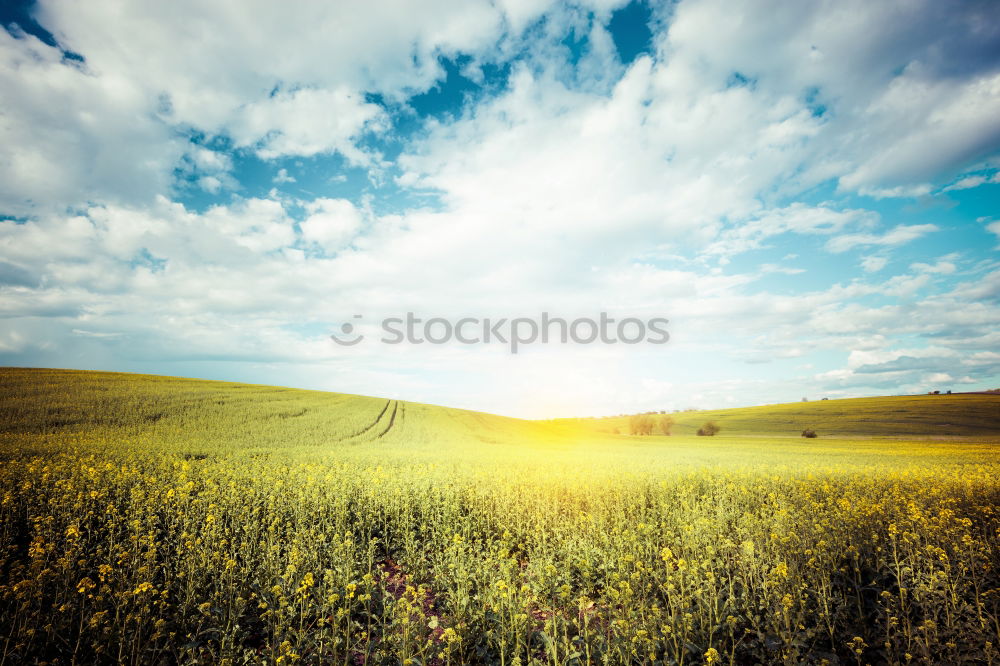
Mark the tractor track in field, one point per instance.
(388, 423)
(392, 418)
(374, 423)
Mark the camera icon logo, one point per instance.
(349, 338)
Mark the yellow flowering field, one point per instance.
(160, 520)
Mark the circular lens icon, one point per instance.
(347, 328)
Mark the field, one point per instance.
(161, 520)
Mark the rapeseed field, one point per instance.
(161, 520)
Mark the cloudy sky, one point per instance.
(809, 192)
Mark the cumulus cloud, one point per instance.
(942, 267)
(322, 121)
(969, 182)
(874, 263)
(674, 185)
(209, 170)
(905, 90)
(69, 133)
(331, 223)
(898, 235)
(913, 369)
(994, 228)
(797, 218)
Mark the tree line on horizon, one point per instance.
(646, 424)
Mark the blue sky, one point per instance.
(808, 192)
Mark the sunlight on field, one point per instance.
(151, 519)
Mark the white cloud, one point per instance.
(283, 177)
(897, 192)
(941, 267)
(906, 90)
(899, 235)
(939, 378)
(210, 184)
(796, 218)
(306, 122)
(966, 183)
(210, 170)
(873, 263)
(199, 304)
(887, 92)
(331, 223)
(285, 83)
(994, 228)
(547, 161)
(784, 270)
(210, 160)
(68, 134)
(577, 188)
(94, 334)
(909, 369)
(934, 123)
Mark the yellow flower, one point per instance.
(307, 582)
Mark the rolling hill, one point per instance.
(45, 409)
(961, 414)
(190, 414)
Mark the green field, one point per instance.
(163, 520)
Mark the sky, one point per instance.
(809, 193)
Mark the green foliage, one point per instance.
(710, 429)
(159, 520)
(640, 424)
(666, 424)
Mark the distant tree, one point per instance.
(666, 423)
(826, 398)
(709, 429)
(805, 399)
(640, 424)
(810, 433)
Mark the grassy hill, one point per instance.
(197, 416)
(44, 409)
(963, 415)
